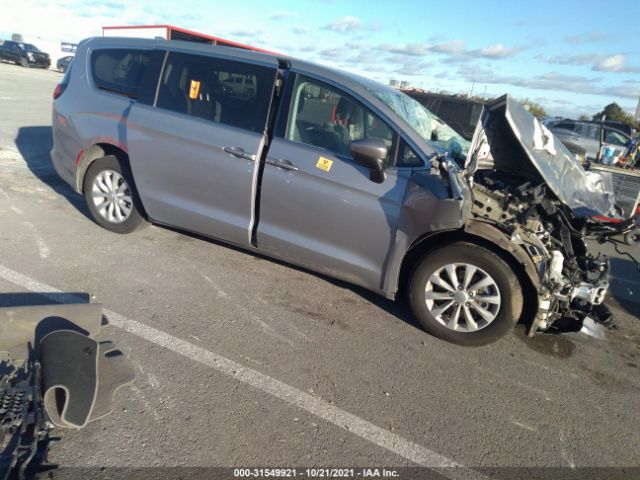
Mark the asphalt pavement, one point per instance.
(244, 361)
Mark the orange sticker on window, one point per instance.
(194, 89)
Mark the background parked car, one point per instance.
(589, 136)
(63, 63)
(24, 54)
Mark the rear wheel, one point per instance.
(111, 197)
(465, 294)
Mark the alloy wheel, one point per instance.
(462, 297)
(111, 196)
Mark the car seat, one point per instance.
(203, 105)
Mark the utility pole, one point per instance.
(484, 95)
(473, 83)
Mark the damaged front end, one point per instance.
(528, 186)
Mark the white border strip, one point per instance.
(316, 406)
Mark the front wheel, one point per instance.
(24, 62)
(465, 294)
(632, 238)
(111, 197)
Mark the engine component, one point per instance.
(571, 281)
(24, 431)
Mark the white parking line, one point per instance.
(316, 406)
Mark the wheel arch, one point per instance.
(97, 151)
(486, 236)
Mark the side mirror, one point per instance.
(371, 153)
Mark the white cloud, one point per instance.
(281, 15)
(616, 63)
(588, 37)
(411, 49)
(344, 24)
(453, 47)
(496, 51)
(579, 59)
(72, 20)
(552, 81)
(246, 33)
(612, 63)
(301, 29)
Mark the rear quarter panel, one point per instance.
(84, 116)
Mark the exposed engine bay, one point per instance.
(572, 282)
(529, 187)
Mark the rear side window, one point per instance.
(119, 70)
(588, 130)
(223, 91)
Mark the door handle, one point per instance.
(283, 164)
(239, 152)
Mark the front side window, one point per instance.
(615, 138)
(29, 47)
(325, 117)
(223, 91)
(119, 70)
(407, 157)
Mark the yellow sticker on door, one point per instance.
(194, 89)
(324, 164)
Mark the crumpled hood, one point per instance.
(509, 139)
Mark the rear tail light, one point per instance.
(58, 90)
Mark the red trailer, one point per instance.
(170, 32)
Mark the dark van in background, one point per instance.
(459, 113)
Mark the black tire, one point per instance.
(135, 218)
(507, 312)
(24, 62)
(632, 238)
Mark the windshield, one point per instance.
(426, 124)
(29, 47)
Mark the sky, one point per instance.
(573, 57)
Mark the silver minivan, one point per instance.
(591, 137)
(338, 174)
